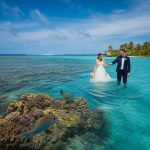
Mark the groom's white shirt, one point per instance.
(122, 63)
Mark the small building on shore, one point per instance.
(108, 54)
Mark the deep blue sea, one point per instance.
(127, 109)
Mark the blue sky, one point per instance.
(71, 26)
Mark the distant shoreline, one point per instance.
(48, 54)
(129, 56)
(139, 56)
(65, 55)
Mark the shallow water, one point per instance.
(126, 108)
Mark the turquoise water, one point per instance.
(126, 109)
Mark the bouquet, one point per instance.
(92, 75)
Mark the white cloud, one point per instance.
(84, 34)
(93, 29)
(38, 16)
(10, 26)
(124, 27)
(9, 11)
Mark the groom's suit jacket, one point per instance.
(126, 66)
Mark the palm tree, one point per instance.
(138, 46)
(110, 47)
(145, 45)
(124, 46)
(131, 46)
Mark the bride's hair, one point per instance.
(99, 57)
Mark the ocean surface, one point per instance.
(127, 109)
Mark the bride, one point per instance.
(99, 74)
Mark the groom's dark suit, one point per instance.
(123, 67)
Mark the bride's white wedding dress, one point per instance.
(100, 74)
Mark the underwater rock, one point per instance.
(26, 121)
(11, 107)
(51, 111)
(57, 146)
(9, 136)
(2, 120)
(94, 119)
(28, 101)
(76, 143)
(1, 117)
(38, 100)
(59, 104)
(81, 102)
(36, 112)
(39, 140)
(73, 118)
(14, 116)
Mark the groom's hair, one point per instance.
(123, 50)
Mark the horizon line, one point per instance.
(48, 54)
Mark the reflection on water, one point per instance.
(126, 108)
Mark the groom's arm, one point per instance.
(114, 61)
(129, 65)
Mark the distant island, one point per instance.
(13, 54)
(131, 48)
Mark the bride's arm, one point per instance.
(96, 65)
(104, 64)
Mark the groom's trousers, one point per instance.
(122, 74)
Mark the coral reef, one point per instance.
(73, 118)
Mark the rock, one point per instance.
(50, 111)
(10, 136)
(2, 121)
(14, 116)
(95, 120)
(60, 145)
(36, 112)
(26, 121)
(59, 104)
(19, 106)
(2, 117)
(70, 120)
(11, 107)
(38, 100)
(73, 118)
(39, 140)
(81, 102)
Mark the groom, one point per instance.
(123, 66)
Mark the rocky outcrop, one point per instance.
(73, 118)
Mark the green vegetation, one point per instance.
(132, 49)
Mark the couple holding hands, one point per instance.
(123, 68)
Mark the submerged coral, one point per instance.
(73, 118)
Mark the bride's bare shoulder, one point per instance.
(97, 60)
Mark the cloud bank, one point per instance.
(42, 34)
